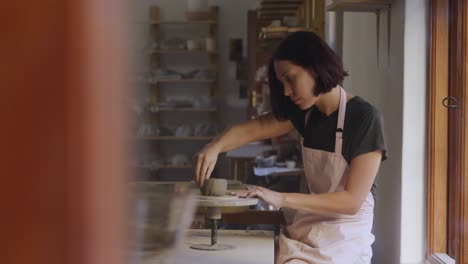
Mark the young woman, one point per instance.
(342, 150)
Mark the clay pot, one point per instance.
(214, 187)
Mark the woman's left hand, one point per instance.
(274, 198)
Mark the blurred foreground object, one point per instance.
(162, 214)
(63, 132)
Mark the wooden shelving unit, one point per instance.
(262, 38)
(159, 146)
(272, 9)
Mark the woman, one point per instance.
(342, 150)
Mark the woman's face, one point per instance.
(298, 83)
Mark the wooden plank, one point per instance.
(276, 7)
(277, 12)
(463, 221)
(453, 129)
(358, 5)
(271, 17)
(438, 128)
(281, 2)
(154, 12)
(318, 23)
(252, 40)
(62, 113)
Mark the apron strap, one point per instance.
(307, 117)
(340, 124)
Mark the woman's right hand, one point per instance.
(204, 163)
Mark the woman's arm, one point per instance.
(263, 127)
(363, 171)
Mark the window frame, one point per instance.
(447, 77)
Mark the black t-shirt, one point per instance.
(362, 131)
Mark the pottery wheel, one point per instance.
(214, 204)
(225, 201)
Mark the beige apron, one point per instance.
(340, 239)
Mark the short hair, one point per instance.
(308, 50)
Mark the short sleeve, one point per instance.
(369, 136)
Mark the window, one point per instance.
(447, 140)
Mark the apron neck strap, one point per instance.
(340, 124)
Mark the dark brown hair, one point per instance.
(308, 50)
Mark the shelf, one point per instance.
(174, 138)
(163, 167)
(273, 12)
(280, 3)
(186, 109)
(175, 167)
(182, 81)
(358, 5)
(194, 22)
(160, 51)
(273, 33)
(277, 9)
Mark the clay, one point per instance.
(214, 187)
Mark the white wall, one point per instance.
(413, 186)
(388, 211)
(369, 78)
(366, 75)
(397, 86)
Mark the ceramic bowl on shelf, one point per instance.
(183, 131)
(290, 164)
(179, 160)
(202, 102)
(193, 44)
